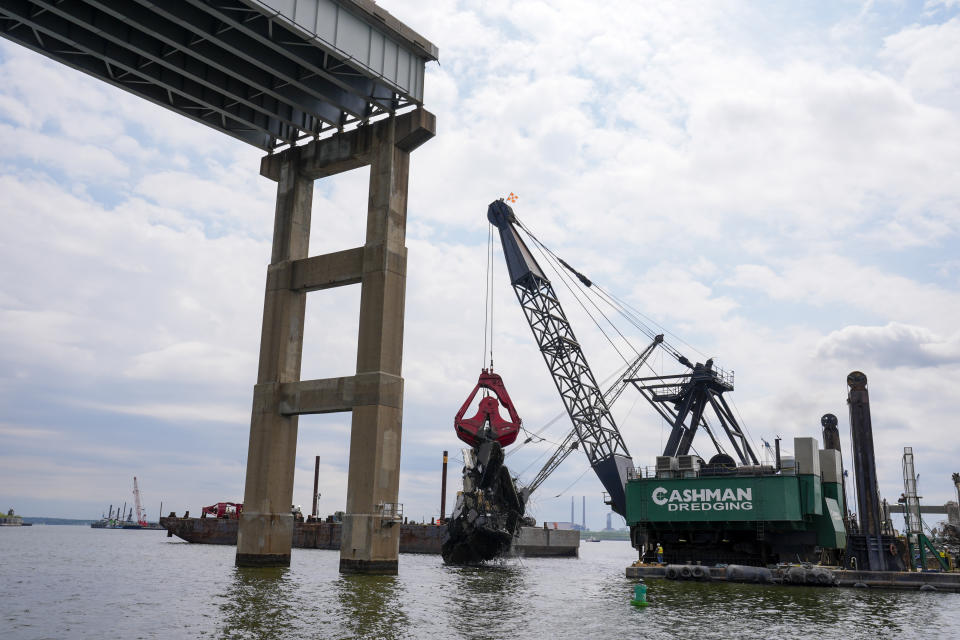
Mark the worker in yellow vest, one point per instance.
(659, 553)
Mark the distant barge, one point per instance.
(533, 542)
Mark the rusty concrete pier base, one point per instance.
(375, 393)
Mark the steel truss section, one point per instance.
(691, 394)
(243, 67)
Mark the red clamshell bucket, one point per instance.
(470, 430)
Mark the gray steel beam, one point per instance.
(360, 31)
(213, 43)
(28, 37)
(197, 44)
(287, 44)
(57, 26)
(263, 72)
(123, 34)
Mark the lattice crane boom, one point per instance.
(593, 424)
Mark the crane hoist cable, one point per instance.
(488, 303)
(488, 424)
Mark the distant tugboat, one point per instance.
(11, 520)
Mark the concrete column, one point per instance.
(375, 392)
(266, 524)
(370, 539)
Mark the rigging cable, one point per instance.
(619, 308)
(573, 483)
(564, 278)
(581, 283)
(583, 279)
(744, 424)
(612, 301)
(589, 298)
(486, 300)
(490, 287)
(616, 374)
(630, 313)
(633, 316)
(639, 313)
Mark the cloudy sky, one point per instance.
(778, 184)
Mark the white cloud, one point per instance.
(925, 56)
(931, 5)
(194, 362)
(82, 161)
(831, 280)
(17, 431)
(891, 346)
(174, 412)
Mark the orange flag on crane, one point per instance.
(512, 197)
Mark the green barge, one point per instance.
(718, 512)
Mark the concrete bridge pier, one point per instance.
(370, 537)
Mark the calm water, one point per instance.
(73, 582)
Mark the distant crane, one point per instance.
(141, 516)
(917, 541)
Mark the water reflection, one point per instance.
(258, 604)
(372, 607)
(778, 611)
(488, 601)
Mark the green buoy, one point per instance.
(639, 595)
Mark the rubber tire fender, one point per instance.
(699, 573)
(686, 572)
(672, 573)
